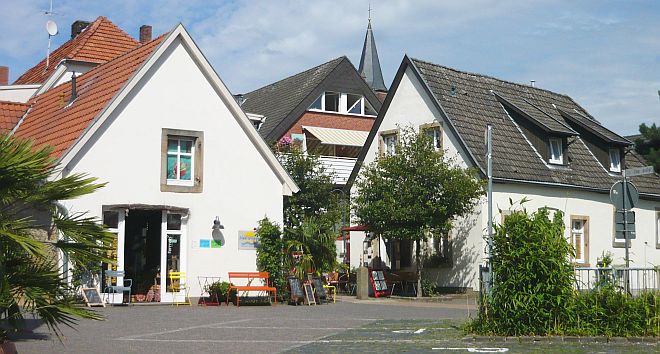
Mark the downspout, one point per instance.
(65, 257)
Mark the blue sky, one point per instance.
(604, 54)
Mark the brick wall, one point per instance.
(329, 120)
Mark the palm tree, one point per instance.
(34, 228)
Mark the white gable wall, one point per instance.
(238, 185)
(411, 106)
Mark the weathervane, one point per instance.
(369, 12)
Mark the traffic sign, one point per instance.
(638, 171)
(616, 195)
(629, 226)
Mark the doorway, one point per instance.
(142, 251)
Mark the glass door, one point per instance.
(173, 254)
(114, 220)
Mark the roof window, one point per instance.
(556, 152)
(615, 160)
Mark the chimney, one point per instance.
(78, 27)
(145, 34)
(4, 76)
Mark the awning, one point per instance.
(332, 136)
(355, 228)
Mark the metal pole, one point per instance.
(490, 200)
(625, 230)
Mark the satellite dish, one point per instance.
(51, 27)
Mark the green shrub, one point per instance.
(533, 290)
(269, 253)
(219, 289)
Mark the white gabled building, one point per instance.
(547, 149)
(158, 125)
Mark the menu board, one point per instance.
(378, 280)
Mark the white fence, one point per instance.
(341, 167)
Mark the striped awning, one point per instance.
(332, 136)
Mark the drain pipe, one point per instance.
(65, 257)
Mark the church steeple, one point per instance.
(369, 63)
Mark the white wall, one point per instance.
(239, 187)
(17, 93)
(597, 207)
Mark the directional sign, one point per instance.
(616, 195)
(638, 171)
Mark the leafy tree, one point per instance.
(649, 145)
(311, 215)
(269, 252)
(414, 193)
(30, 220)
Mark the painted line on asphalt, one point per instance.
(310, 341)
(477, 350)
(283, 328)
(135, 336)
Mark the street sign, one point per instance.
(616, 195)
(629, 226)
(638, 171)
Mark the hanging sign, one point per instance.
(248, 240)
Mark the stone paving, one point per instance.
(248, 329)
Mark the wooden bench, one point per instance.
(250, 276)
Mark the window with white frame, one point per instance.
(434, 133)
(173, 256)
(580, 239)
(615, 160)
(181, 161)
(388, 141)
(344, 103)
(556, 151)
(111, 221)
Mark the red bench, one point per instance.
(250, 276)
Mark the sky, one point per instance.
(604, 54)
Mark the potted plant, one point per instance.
(218, 290)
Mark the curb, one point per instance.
(566, 339)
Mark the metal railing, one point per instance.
(638, 279)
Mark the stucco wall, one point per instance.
(17, 93)
(238, 185)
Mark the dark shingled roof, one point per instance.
(476, 105)
(595, 128)
(469, 101)
(277, 100)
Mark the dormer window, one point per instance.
(615, 160)
(556, 152)
(344, 103)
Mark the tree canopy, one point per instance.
(649, 144)
(415, 191)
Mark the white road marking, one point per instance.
(477, 350)
(209, 325)
(421, 330)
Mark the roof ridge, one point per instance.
(85, 35)
(338, 60)
(490, 77)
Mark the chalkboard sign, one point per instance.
(296, 290)
(379, 280)
(320, 290)
(309, 294)
(92, 297)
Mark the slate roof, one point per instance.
(55, 122)
(100, 42)
(597, 129)
(10, 114)
(369, 62)
(470, 101)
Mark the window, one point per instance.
(173, 256)
(181, 161)
(111, 221)
(388, 142)
(434, 133)
(344, 103)
(556, 152)
(331, 102)
(580, 239)
(615, 160)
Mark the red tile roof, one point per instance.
(10, 113)
(53, 121)
(100, 42)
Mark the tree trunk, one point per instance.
(418, 263)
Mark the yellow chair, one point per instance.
(178, 283)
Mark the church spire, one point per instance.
(369, 63)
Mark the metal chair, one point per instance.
(114, 289)
(178, 283)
